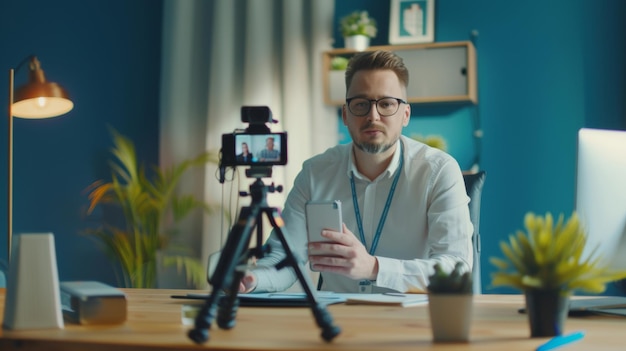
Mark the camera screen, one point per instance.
(254, 149)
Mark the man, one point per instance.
(269, 154)
(405, 206)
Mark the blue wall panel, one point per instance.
(107, 55)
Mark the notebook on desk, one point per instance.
(295, 299)
(615, 305)
(388, 299)
(274, 299)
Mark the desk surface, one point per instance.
(154, 323)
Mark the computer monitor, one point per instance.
(601, 192)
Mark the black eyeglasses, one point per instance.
(386, 107)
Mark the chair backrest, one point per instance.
(474, 187)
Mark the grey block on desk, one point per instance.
(90, 302)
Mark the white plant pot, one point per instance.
(357, 42)
(337, 85)
(450, 316)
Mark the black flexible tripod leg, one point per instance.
(224, 278)
(323, 319)
(229, 303)
(227, 276)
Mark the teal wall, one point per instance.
(544, 71)
(107, 55)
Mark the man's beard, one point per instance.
(372, 148)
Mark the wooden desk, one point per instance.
(154, 323)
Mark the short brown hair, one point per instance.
(375, 60)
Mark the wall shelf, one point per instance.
(443, 72)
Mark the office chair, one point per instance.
(474, 187)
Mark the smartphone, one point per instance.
(322, 215)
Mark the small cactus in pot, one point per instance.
(458, 281)
(450, 297)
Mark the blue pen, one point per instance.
(561, 340)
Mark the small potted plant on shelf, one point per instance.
(450, 300)
(547, 263)
(337, 77)
(339, 63)
(357, 28)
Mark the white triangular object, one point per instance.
(33, 299)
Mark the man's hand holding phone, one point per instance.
(333, 247)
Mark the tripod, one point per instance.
(232, 263)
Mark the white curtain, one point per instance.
(221, 55)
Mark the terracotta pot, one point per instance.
(547, 311)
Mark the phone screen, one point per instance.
(322, 215)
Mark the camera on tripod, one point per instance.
(260, 149)
(256, 146)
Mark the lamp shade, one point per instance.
(39, 98)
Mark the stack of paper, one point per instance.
(391, 299)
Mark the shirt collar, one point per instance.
(391, 169)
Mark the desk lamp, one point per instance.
(36, 99)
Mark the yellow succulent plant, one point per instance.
(549, 256)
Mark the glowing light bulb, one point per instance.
(42, 102)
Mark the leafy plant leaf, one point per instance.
(151, 209)
(550, 255)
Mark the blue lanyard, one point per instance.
(383, 216)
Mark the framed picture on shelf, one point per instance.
(412, 21)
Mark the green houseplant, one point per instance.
(450, 300)
(339, 63)
(547, 262)
(357, 28)
(151, 209)
(358, 23)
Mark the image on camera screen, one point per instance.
(254, 149)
